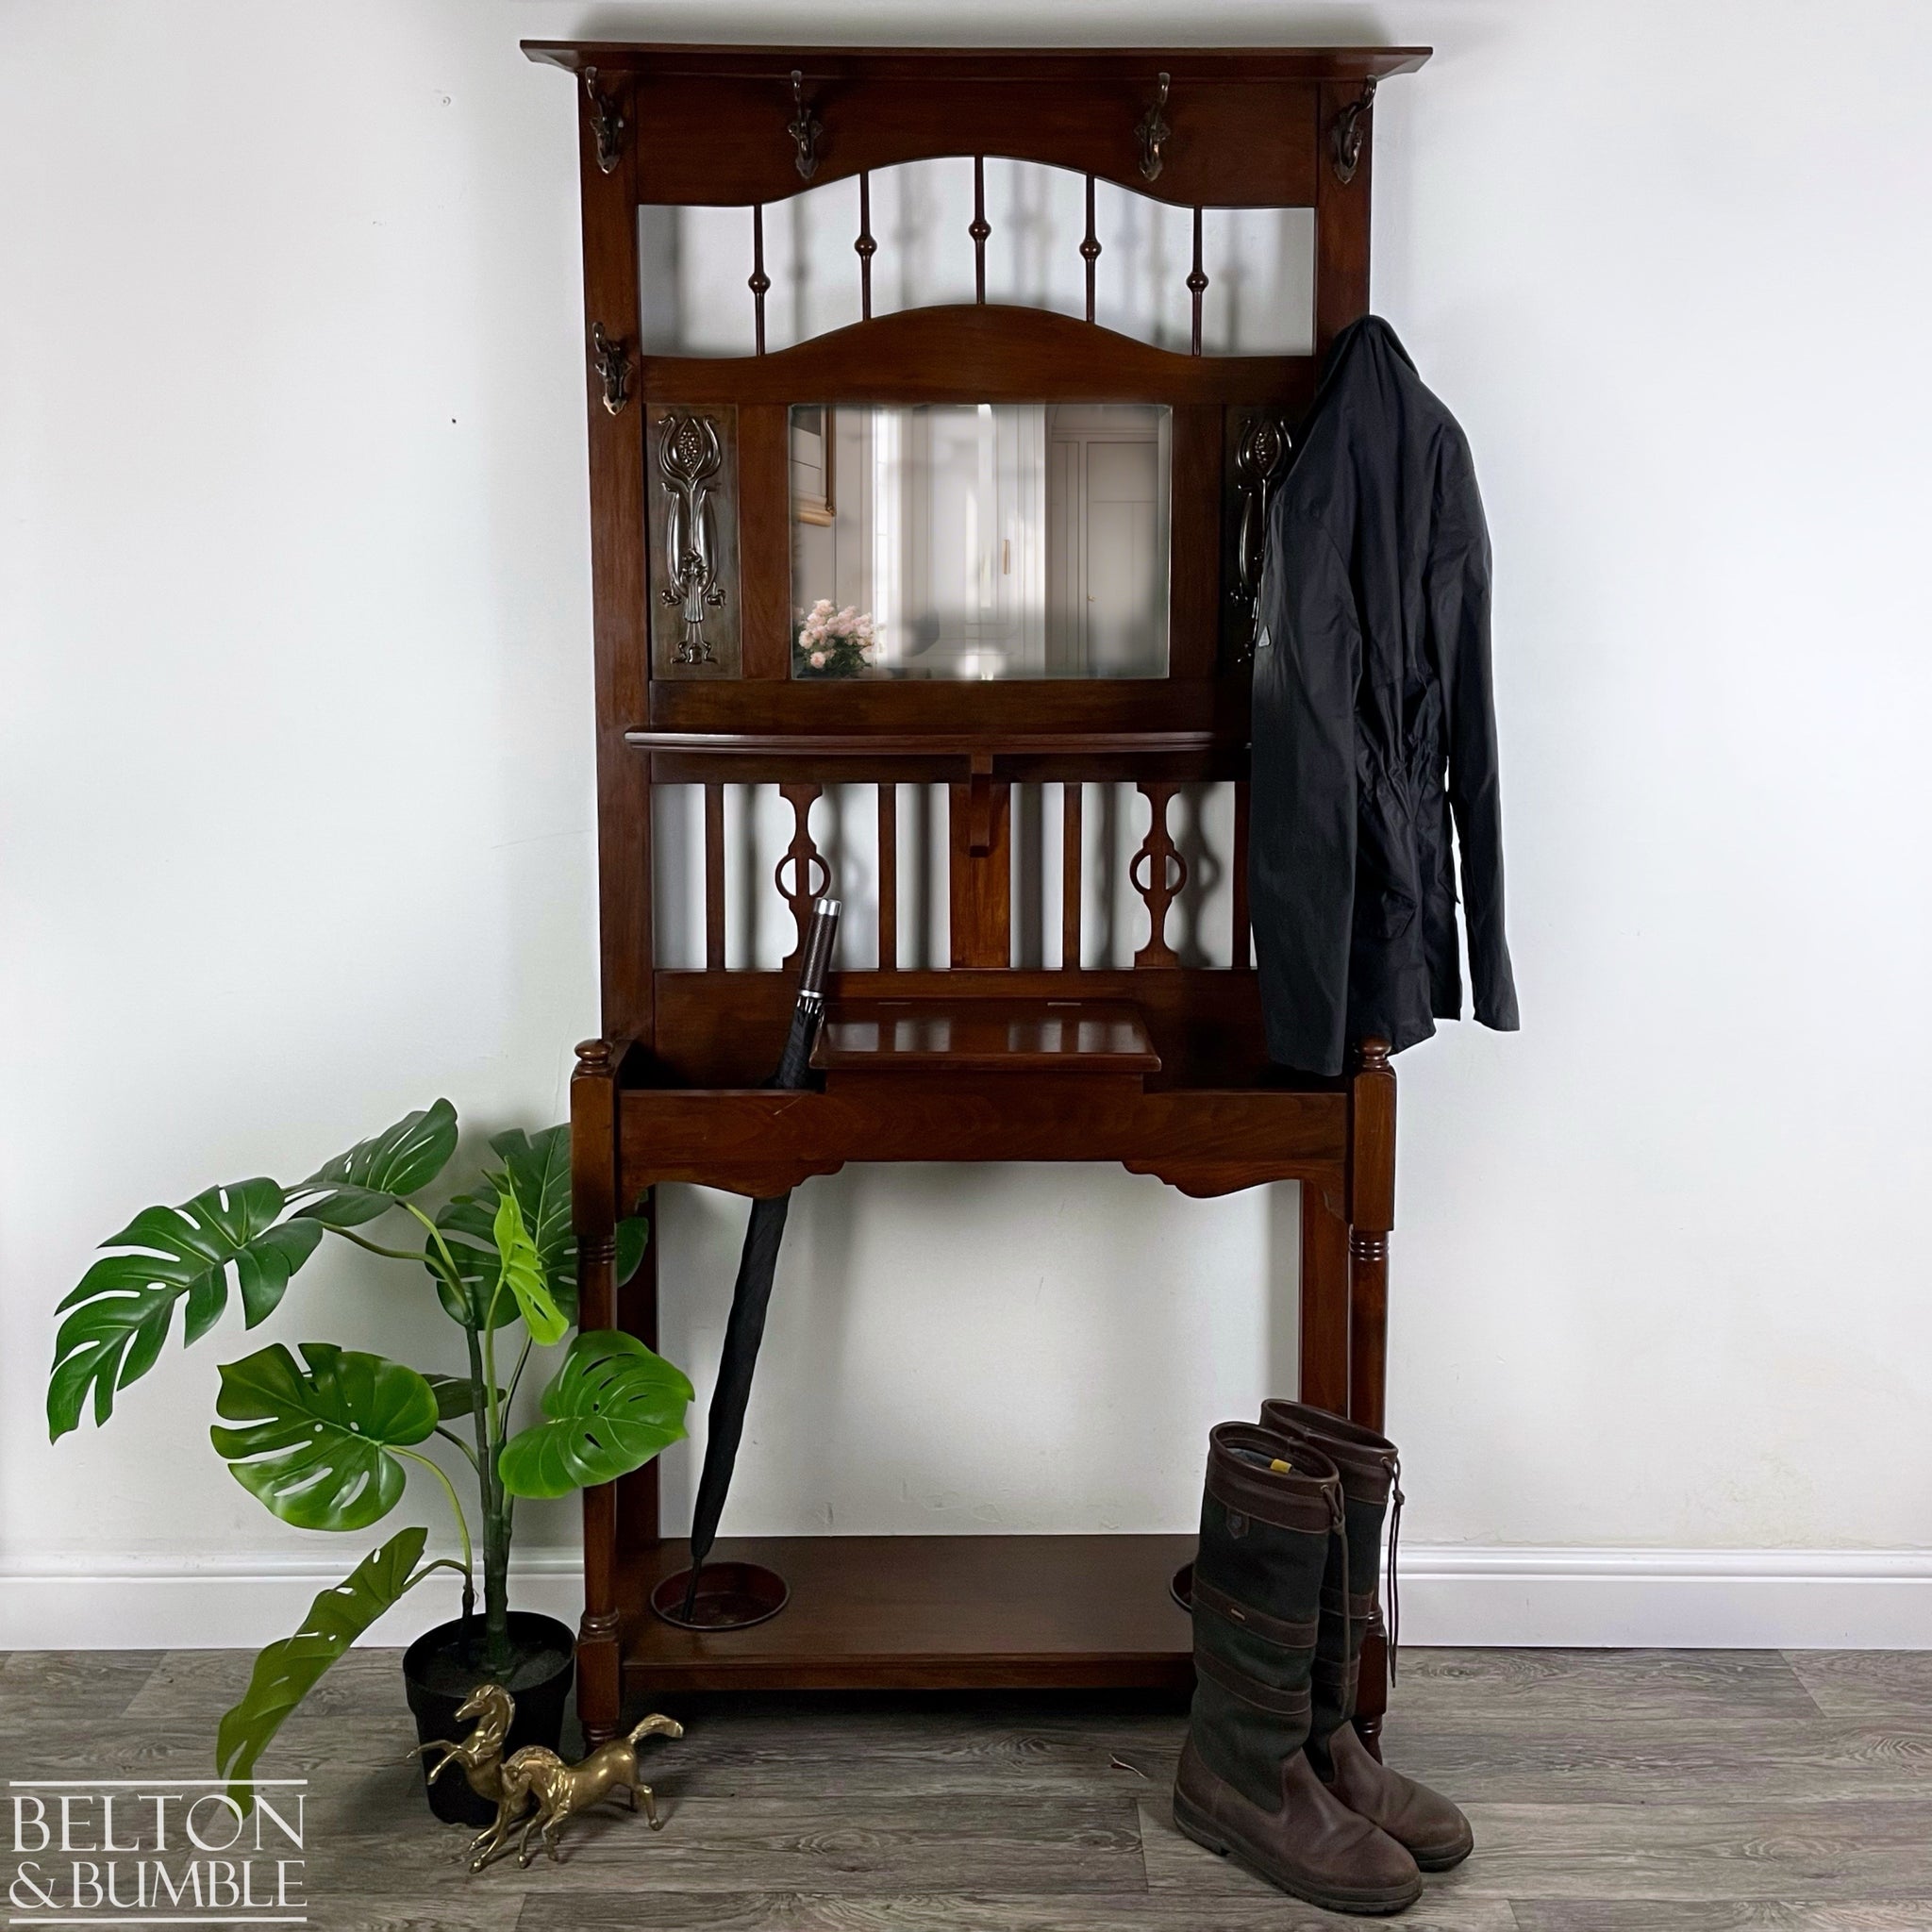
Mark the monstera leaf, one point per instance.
(523, 1273)
(125, 1303)
(536, 1167)
(455, 1396)
(316, 1445)
(375, 1174)
(287, 1672)
(612, 1405)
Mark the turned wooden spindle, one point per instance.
(811, 878)
(1167, 873)
(1073, 864)
(889, 876)
(714, 878)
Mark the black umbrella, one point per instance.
(752, 1294)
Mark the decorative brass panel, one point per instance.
(690, 459)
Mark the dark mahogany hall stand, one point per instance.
(1159, 1066)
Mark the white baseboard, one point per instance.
(1668, 1599)
(241, 1603)
(1542, 1598)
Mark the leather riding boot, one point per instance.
(1271, 1533)
(1436, 1834)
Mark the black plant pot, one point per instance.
(440, 1669)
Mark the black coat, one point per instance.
(1374, 724)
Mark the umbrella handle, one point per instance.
(820, 938)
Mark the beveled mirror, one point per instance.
(980, 540)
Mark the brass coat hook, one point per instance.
(613, 368)
(1259, 455)
(1152, 132)
(606, 124)
(1350, 128)
(804, 128)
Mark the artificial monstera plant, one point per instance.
(327, 1439)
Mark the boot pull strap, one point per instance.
(1394, 1583)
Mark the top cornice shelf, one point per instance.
(1222, 64)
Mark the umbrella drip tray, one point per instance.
(729, 1596)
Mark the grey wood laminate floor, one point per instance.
(1610, 1792)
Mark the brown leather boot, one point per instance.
(1271, 1535)
(1433, 1832)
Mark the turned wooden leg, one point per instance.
(1372, 1214)
(1324, 1301)
(593, 1147)
(1367, 1322)
(600, 1678)
(637, 1493)
(1368, 1326)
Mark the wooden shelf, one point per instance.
(926, 1613)
(1079, 1037)
(763, 1140)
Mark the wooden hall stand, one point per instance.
(1159, 1065)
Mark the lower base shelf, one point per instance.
(926, 1613)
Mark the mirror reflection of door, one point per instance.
(969, 486)
(814, 461)
(1107, 540)
(989, 541)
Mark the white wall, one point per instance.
(293, 598)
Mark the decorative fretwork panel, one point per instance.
(1044, 874)
(981, 229)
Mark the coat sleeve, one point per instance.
(1459, 605)
(1302, 839)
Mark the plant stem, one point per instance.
(517, 1374)
(439, 1563)
(377, 1247)
(485, 1417)
(450, 1271)
(495, 1547)
(488, 1414)
(455, 1502)
(497, 1518)
(469, 1454)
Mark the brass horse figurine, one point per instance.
(480, 1754)
(563, 1790)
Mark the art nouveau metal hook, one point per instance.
(804, 129)
(1350, 128)
(606, 124)
(1153, 131)
(1257, 461)
(613, 368)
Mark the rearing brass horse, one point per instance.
(481, 1753)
